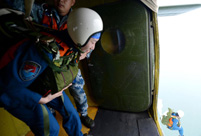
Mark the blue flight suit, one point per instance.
(22, 103)
(77, 88)
(175, 127)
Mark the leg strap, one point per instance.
(46, 121)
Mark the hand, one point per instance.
(50, 97)
(66, 87)
(83, 55)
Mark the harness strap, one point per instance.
(46, 121)
(49, 19)
(46, 58)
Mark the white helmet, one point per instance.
(181, 113)
(82, 24)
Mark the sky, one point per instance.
(180, 74)
(177, 2)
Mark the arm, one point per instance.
(20, 73)
(50, 97)
(175, 124)
(16, 4)
(36, 12)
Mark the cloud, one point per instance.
(160, 106)
(181, 113)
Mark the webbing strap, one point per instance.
(46, 121)
(67, 60)
(46, 58)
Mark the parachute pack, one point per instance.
(14, 28)
(165, 118)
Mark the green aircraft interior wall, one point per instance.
(121, 80)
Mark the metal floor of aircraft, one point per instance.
(115, 123)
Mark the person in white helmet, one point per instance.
(76, 30)
(84, 29)
(55, 15)
(174, 123)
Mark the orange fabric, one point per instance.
(50, 21)
(170, 122)
(47, 20)
(63, 27)
(10, 54)
(62, 44)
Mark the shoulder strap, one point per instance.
(170, 122)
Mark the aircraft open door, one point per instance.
(121, 66)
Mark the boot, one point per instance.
(87, 121)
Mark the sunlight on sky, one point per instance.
(180, 75)
(177, 2)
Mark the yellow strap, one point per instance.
(46, 121)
